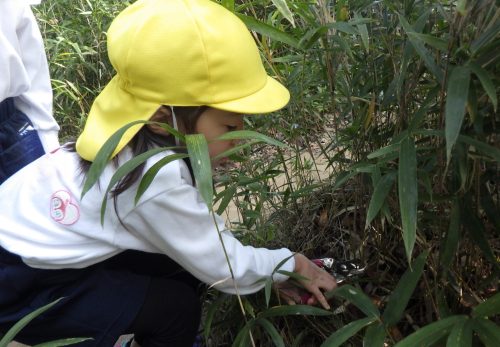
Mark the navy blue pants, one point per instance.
(19, 141)
(132, 293)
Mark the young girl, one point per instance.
(194, 65)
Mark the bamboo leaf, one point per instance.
(487, 83)
(12, 332)
(374, 336)
(460, 335)
(229, 4)
(103, 156)
(63, 342)
(148, 177)
(431, 333)
(380, 192)
(363, 32)
(271, 330)
(424, 54)
(227, 195)
(250, 135)
(402, 293)
(450, 242)
(485, 38)
(476, 230)
(235, 149)
(481, 147)
(123, 170)
(241, 339)
(267, 290)
(488, 332)
(347, 331)
(408, 193)
(268, 30)
(456, 99)
(461, 4)
(305, 310)
(357, 298)
(282, 7)
(384, 151)
(488, 308)
(344, 27)
(202, 168)
(432, 41)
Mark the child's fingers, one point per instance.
(318, 295)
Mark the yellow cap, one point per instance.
(179, 53)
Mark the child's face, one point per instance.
(214, 123)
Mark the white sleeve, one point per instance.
(24, 72)
(179, 224)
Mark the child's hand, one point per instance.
(317, 280)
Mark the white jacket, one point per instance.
(43, 219)
(24, 72)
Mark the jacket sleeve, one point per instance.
(180, 225)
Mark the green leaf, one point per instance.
(476, 230)
(229, 4)
(202, 168)
(63, 342)
(375, 336)
(488, 85)
(456, 99)
(250, 135)
(267, 290)
(305, 310)
(148, 177)
(213, 308)
(380, 192)
(384, 150)
(488, 308)
(125, 169)
(408, 193)
(424, 54)
(347, 331)
(103, 156)
(271, 330)
(461, 4)
(485, 37)
(450, 242)
(235, 149)
(432, 41)
(357, 298)
(242, 337)
(402, 293)
(9, 335)
(227, 195)
(269, 31)
(481, 147)
(429, 334)
(488, 332)
(344, 27)
(363, 32)
(282, 7)
(460, 335)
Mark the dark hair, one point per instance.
(146, 139)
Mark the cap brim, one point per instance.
(272, 97)
(112, 109)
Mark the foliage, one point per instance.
(397, 102)
(11, 334)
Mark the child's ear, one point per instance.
(162, 115)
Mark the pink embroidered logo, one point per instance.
(63, 209)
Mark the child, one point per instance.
(27, 127)
(139, 272)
